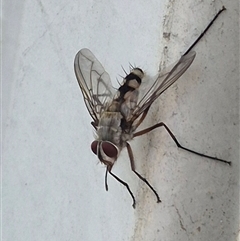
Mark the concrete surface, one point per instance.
(53, 186)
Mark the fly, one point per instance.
(117, 114)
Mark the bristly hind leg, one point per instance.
(176, 141)
(205, 30)
(130, 153)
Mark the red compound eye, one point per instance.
(109, 149)
(94, 146)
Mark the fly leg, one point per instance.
(206, 29)
(176, 141)
(106, 185)
(130, 153)
(144, 114)
(122, 182)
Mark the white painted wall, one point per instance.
(53, 186)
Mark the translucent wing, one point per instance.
(163, 81)
(94, 83)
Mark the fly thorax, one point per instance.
(127, 137)
(114, 106)
(129, 105)
(109, 128)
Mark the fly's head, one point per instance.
(106, 151)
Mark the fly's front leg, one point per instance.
(130, 153)
(176, 141)
(121, 181)
(106, 184)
